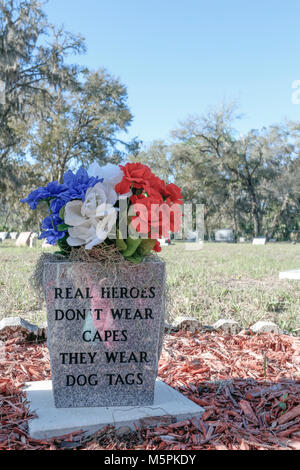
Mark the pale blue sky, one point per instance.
(180, 57)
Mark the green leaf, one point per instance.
(62, 213)
(146, 246)
(63, 245)
(121, 245)
(132, 246)
(62, 227)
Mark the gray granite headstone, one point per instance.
(105, 331)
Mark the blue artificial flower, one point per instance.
(79, 183)
(75, 186)
(51, 232)
(51, 222)
(52, 236)
(81, 180)
(50, 191)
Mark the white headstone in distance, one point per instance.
(224, 235)
(32, 241)
(3, 235)
(13, 235)
(23, 239)
(259, 241)
(193, 242)
(163, 242)
(242, 239)
(192, 236)
(291, 274)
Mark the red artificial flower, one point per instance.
(172, 193)
(143, 205)
(157, 246)
(156, 184)
(155, 216)
(136, 175)
(155, 204)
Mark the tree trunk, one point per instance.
(60, 176)
(255, 219)
(61, 169)
(235, 220)
(272, 230)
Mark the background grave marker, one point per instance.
(224, 235)
(23, 239)
(3, 235)
(259, 241)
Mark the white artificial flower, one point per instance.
(112, 175)
(91, 220)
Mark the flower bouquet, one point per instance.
(126, 207)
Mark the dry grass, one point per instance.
(222, 280)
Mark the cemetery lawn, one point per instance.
(237, 281)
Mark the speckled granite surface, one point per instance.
(105, 331)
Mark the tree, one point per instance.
(157, 156)
(19, 180)
(32, 58)
(238, 174)
(83, 125)
(199, 171)
(32, 54)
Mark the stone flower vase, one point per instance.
(105, 331)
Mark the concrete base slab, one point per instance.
(54, 422)
(292, 274)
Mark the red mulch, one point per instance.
(248, 385)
